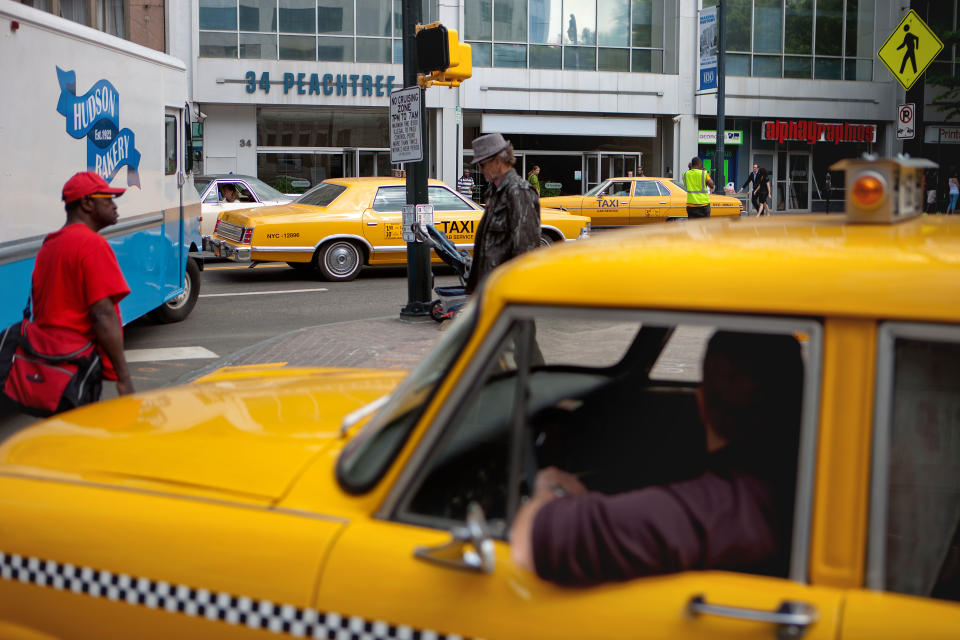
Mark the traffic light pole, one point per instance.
(419, 275)
(718, 177)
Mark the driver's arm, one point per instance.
(551, 483)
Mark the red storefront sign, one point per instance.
(811, 131)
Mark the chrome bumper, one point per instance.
(223, 249)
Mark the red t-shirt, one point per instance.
(74, 269)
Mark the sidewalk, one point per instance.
(377, 343)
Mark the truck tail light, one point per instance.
(869, 190)
(216, 227)
(247, 235)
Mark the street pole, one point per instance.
(419, 275)
(721, 96)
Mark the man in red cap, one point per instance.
(77, 282)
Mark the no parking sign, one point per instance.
(906, 113)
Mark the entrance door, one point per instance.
(793, 181)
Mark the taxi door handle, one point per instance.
(663, 202)
(791, 618)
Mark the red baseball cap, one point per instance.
(87, 183)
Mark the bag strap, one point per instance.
(75, 357)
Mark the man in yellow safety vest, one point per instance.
(695, 181)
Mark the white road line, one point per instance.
(168, 353)
(240, 266)
(257, 293)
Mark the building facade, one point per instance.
(296, 91)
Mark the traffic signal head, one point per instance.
(433, 50)
(461, 61)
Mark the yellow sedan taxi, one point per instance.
(343, 224)
(265, 502)
(632, 201)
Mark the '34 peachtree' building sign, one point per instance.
(327, 84)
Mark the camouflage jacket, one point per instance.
(509, 226)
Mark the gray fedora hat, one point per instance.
(485, 147)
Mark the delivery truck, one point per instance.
(77, 99)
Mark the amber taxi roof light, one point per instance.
(868, 190)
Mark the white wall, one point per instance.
(223, 130)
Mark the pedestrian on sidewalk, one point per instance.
(465, 184)
(953, 192)
(752, 179)
(762, 192)
(510, 224)
(696, 181)
(533, 178)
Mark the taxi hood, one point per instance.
(239, 437)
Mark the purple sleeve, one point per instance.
(706, 523)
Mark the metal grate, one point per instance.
(229, 231)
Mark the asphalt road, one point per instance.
(239, 307)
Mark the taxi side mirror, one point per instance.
(471, 548)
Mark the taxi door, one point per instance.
(649, 203)
(610, 207)
(382, 224)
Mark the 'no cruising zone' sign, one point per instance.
(406, 140)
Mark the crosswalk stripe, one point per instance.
(168, 353)
(257, 293)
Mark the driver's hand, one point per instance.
(557, 482)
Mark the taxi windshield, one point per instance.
(596, 189)
(366, 457)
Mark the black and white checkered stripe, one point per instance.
(202, 603)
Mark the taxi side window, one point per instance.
(618, 188)
(390, 199)
(646, 188)
(445, 200)
(664, 191)
(921, 536)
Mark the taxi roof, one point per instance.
(813, 265)
(376, 180)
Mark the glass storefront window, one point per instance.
(613, 20)
(580, 18)
(546, 18)
(509, 55)
(546, 57)
(258, 46)
(373, 50)
(827, 68)
(477, 20)
(374, 18)
(480, 53)
(647, 61)
(509, 21)
(218, 14)
(335, 49)
(613, 59)
(829, 27)
(767, 26)
(218, 45)
(297, 16)
(798, 28)
(766, 66)
(335, 17)
(582, 58)
(298, 48)
(797, 67)
(258, 15)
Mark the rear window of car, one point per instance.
(322, 194)
(679, 184)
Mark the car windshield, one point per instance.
(596, 189)
(200, 184)
(322, 194)
(365, 458)
(265, 191)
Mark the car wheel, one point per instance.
(301, 266)
(545, 240)
(339, 261)
(178, 308)
(436, 311)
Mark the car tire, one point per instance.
(545, 240)
(436, 311)
(339, 261)
(178, 308)
(303, 267)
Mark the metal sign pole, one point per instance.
(419, 275)
(721, 96)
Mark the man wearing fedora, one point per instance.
(511, 222)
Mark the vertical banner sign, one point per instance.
(709, 47)
(406, 142)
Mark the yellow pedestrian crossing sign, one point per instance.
(910, 49)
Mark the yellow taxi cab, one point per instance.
(631, 201)
(266, 502)
(343, 224)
